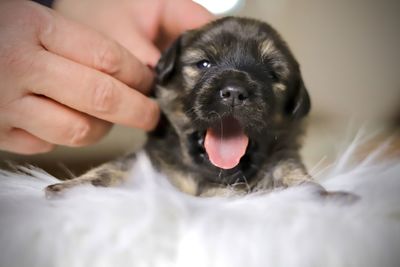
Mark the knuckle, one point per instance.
(79, 134)
(108, 58)
(104, 97)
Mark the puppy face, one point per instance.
(231, 91)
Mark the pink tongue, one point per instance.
(226, 144)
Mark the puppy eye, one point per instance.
(273, 76)
(203, 64)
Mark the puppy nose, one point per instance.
(233, 95)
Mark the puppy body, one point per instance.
(235, 80)
(242, 53)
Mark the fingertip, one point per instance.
(145, 116)
(190, 15)
(146, 79)
(152, 59)
(152, 116)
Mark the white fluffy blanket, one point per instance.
(146, 222)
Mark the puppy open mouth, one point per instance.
(226, 143)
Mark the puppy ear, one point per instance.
(166, 65)
(299, 103)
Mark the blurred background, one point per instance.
(349, 55)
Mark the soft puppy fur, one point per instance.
(233, 102)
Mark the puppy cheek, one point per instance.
(281, 68)
(198, 110)
(279, 88)
(190, 76)
(177, 113)
(279, 97)
(166, 97)
(262, 112)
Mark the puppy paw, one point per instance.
(323, 194)
(57, 190)
(54, 190)
(342, 196)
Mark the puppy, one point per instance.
(233, 102)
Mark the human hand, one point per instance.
(61, 82)
(143, 27)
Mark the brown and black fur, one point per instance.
(243, 53)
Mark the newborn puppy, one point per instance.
(233, 102)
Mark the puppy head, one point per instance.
(226, 89)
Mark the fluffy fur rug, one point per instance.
(146, 222)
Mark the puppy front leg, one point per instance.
(292, 172)
(283, 172)
(108, 174)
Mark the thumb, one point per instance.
(178, 16)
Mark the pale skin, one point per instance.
(68, 74)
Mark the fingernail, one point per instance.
(150, 67)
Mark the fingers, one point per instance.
(189, 15)
(139, 44)
(22, 142)
(88, 90)
(92, 92)
(88, 47)
(55, 123)
(83, 77)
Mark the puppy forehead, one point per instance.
(222, 48)
(240, 28)
(233, 35)
(193, 53)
